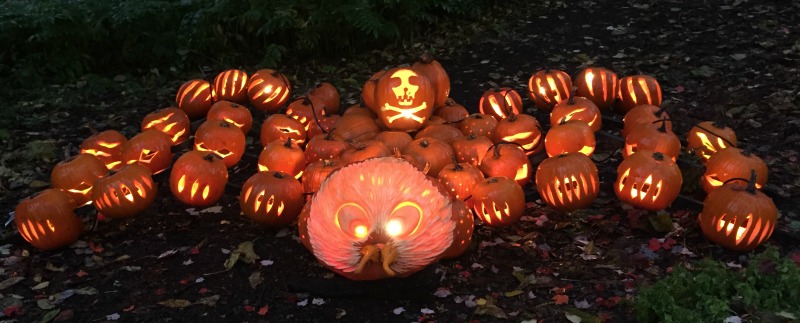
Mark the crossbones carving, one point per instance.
(405, 113)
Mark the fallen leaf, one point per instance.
(492, 310)
(10, 282)
(86, 291)
(318, 301)
(51, 267)
(398, 311)
(244, 252)
(50, 315)
(41, 285)
(264, 309)
(255, 279)
(175, 303)
(561, 299)
(45, 304)
(213, 209)
(513, 293)
(208, 301)
(167, 253)
(576, 315)
(427, 311)
(113, 317)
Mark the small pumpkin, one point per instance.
(737, 216)
(459, 179)
(316, 173)
(568, 182)
(598, 85)
(656, 139)
(648, 180)
(326, 124)
(198, 178)
(363, 150)
(404, 99)
(500, 103)
(279, 127)
(125, 193)
(430, 151)
(329, 96)
(451, 112)
(433, 71)
(173, 122)
(359, 109)
(498, 201)
(731, 163)
(520, 129)
(471, 149)
(268, 90)
(77, 175)
(394, 139)
(151, 148)
(47, 220)
(324, 146)
(233, 113)
(223, 139)
(272, 199)
(708, 137)
(569, 137)
(443, 132)
(285, 157)
(195, 98)
(231, 85)
(507, 160)
(644, 114)
(549, 87)
(356, 127)
(368, 91)
(638, 89)
(462, 235)
(478, 125)
(303, 110)
(577, 108)
(106, 146)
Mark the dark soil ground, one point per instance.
(738, 58)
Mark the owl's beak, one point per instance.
(386, 254)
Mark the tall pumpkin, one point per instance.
(436, 75)
(405, 99)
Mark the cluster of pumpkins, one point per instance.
(401, 174)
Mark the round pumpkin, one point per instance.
(549, 87)
(520, 129)
(478, 125)
(644, 114)
(507, 160)
(198, 178)
(404, 99)
(462, 235)
(47, 220)
(324, 146)
(286, 157)
(195, 98)
(173, 122)
(279, 127)
(77, 175)
(568, 182)
(233, 113)
(221, 138)
(272, 199)
(433, 71)
(498, 201)
(459, 179)
(430, 151)
(443, 132)
(324, 125)
(638, 89)
(598, 85)
(306, 110)
(471, 149)
(329, 95)
(707, 137)
(655, 139)
(500, 103)
(569, 137)
(648, 180)
(316, 173)
(731, 163)
(363, 150)
(231, 85)
(451, 112)
(268, 90)
(577, 108)
(150, 148)
(368, 91)
(356, 127)
(394, 139)
(125, 193)
(106, 146)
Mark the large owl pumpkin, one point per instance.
(379, 218)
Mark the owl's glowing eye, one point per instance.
(404, 220)
(394, 227)
(352, 219)
(360, 231)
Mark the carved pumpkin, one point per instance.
(368, 91)
(221, 138)
(404, 98)
(47, 220)
(732, 163)
(279, 127)
(302, 226)
(324, 146)
(638, 89)
(125, 193)
(478, 125)
(235, 114)
(644, 114)
(363, 150)
(379, 218)
(436, 75)
(77, 175)
(303, 110)
(268, 90)
(707, 137)
(356, 127)
(507, 160)
(451, 112)
(394, 139)
(459, 179)
(568, 182)
(443, 132)
(326, 124)
(471, 149)
(106, 146)
(577, 108)
(329, 96)
(498, 201)
(462, 235)
(598, 85)
(316, 173)
(520, 129)
(198, 178)
(272, 199)
(151, 148)
(285, 157)
(737, 216)
(549, 87)
(195, 98)
(500, 103)
(173, 122)
(231, 85)
(648, 180)
(655, 139)
(430, 151)
(569, 137)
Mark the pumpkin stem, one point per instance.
(751, 184)
(288, 143)
(278, 174)
(224, 124)
(563, 120)
(715, 134)
(658, 156)
(456, 165)
(92, 129)
(426, 57)
(328, 162)
(234, 105)
(496, 154)
(329, 135)
(663, 127)
(210, 157)
(424, 143)
(660, 111)
(571, 100)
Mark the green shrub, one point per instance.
(711, 292)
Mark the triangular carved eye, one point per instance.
(146, 156)
(83, 188)
(224, 152)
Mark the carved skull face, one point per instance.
(405, 99)
(405, 91)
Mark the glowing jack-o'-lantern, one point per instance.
(570, 137)
(638, 89)
(655, 139)
(509, 161)
(173, 122)
(648, 180)
(706, 138)
(500, 103)
(498, 201)
(231, 85)
(286, 157)
(279, 127)
(644, 115)
(268, 90)
(737, 216)
(198, 178)
(221, 138)
(47, 220)
(732, 163)
(235, 114)
(568, 182)
(195, 98)
(520, 129)
(271, 199)
(436, 75)
(405, 99)
(549, 87)
(478, 125)
(106, 146)
(577, 108)
(598, 85)
(379, 218)
(77, 175)
(125, 193)
(459, 179)
(306, 110)
(465, 226)
(151, 148)
(471, 149)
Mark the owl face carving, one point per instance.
(379, 218)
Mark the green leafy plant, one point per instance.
(711, 292)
